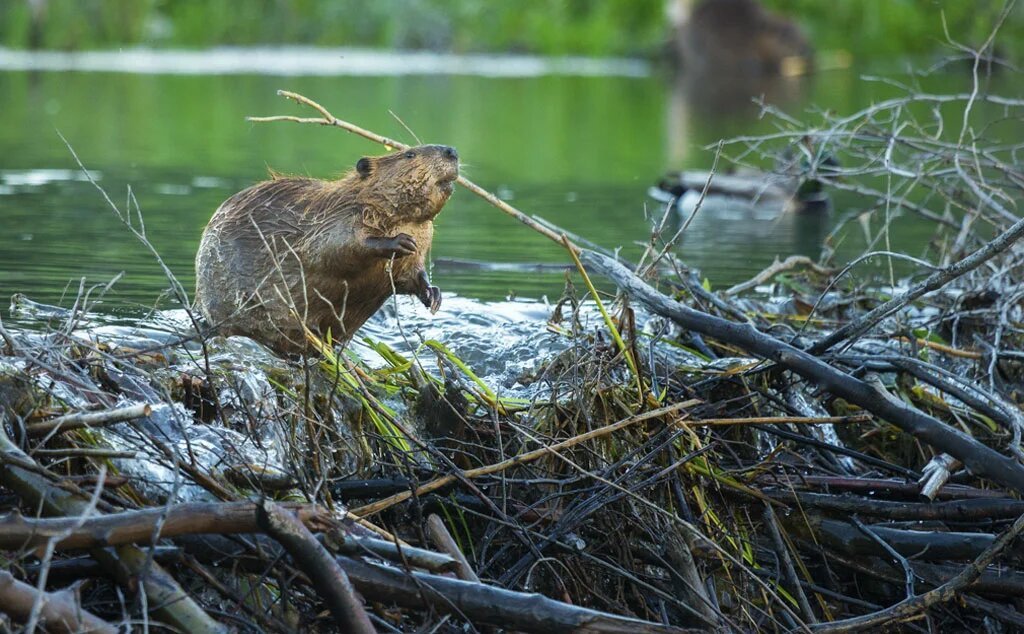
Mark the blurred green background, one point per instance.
(866, 28)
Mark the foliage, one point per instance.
(867, 28)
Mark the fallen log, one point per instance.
(980, 459)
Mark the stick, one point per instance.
(774, 269)
(443, 481)
(442, 539)
(487, 604)
(778, 420)
(131, 566)
(137, 527)
(81, 420)
(329, 580)
(786, 564)
(60, 611)
(329, 119)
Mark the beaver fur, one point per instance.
(291, 251)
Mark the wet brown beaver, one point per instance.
(328, 254)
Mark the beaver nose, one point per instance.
(450, 152)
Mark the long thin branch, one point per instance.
(328, 578)
(80, 420)
(443, 481)
(933, 282)
(329, 119)
(137, 527)
(487, 604)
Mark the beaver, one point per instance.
(739, 37)
(326, 254)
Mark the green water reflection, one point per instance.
(580, 152)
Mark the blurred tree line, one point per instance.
(867, 28)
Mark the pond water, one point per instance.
(577, 146)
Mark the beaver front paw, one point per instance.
(399, 246)
(431, 298)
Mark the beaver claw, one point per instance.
(399, 246)
(431, 298)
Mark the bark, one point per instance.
(138, 527)
(488, 604)
(60, 611)
(329, 579)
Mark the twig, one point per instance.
(774, 269)
(777, 420)
(81, 420)
(786, 564)
(433, 485)
(330, 120)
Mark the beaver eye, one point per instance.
(410, 154)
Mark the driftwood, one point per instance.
(59, 611)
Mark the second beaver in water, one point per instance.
(327, 254)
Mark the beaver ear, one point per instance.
(364, 167)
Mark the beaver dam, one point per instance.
(830, 446)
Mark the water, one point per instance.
(579, 149)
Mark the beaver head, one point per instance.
(412, 184)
